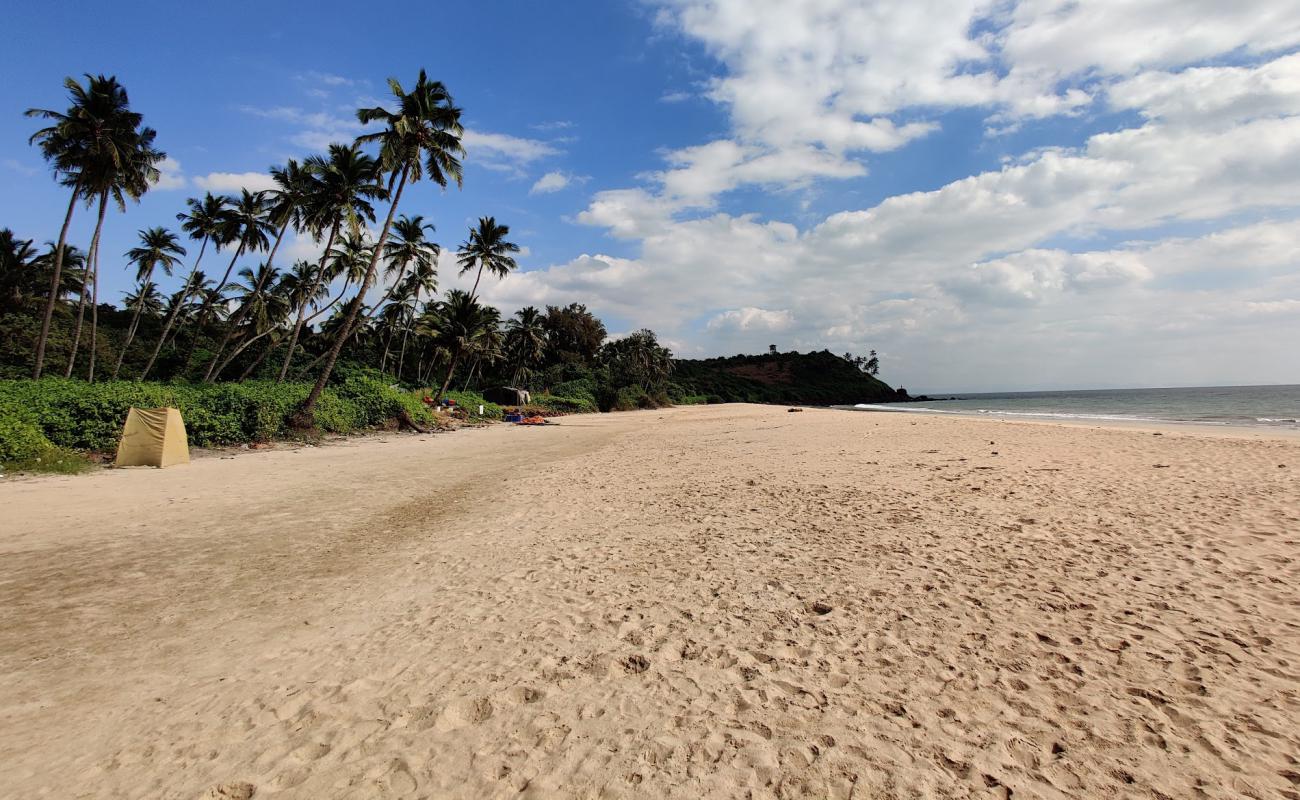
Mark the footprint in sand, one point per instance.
(239, 790)
(463, 712)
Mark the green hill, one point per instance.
(820, 378)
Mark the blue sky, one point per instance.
(1037, 194)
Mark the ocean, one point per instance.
(1253, 406)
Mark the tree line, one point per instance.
(247, 316)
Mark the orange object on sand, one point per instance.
(537, 420)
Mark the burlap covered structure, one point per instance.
(153, 437)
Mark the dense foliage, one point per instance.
(71, 414)
(820, 378)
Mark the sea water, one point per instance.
(1254, 406)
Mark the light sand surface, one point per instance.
(731, 601)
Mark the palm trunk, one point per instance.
(55, 283)
(244, 345)
(94, 319)
(175, 312)
(472, 369)
(257, 362)
(81, 315)
(406, 331)
(451, 370)
(206, 308)
(130, 331)
(233, 324)
(92, 260)
(302, 310)
(473, 293)
(305, 414)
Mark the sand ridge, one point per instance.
(706, 602)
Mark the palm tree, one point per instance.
(19, 268)
(158, 248)
(423, 280)
(285, 206)
(525, 342)
(127, 173)
(424, 134)
(346, 181)
(179, 309)
(203, 224)
(459, 325)
(488, 249)
(76, 136)
(246, 226)
(72, 278)
(146, 297)
(97, 148)
(261, 307)
(408, 245)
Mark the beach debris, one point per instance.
(820, 607)
(793, 410)
(1160, 466)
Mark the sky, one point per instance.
(992, 194)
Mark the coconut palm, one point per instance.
(203, 223)
(146, 297)
(158, 249)
(128, 173)
(72, 278)
(285, 206)
(459, 325)
(345, 183)
(19, 270)
(94, 147)
(98, 148)
(488, 249)
(422, 136)
(525, 343)
(408, 246)
(260, 309)
(245, 226)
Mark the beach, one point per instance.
(721, 601)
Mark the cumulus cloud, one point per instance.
(751, 319)
(503, 152)
(229, 182)
(170, 175)
(551, 182)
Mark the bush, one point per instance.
(24, 447)
(566, 405)
(80, 416)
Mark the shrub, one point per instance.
(76, 415)
(566, 405)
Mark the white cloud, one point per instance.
(504, 152)
(751, 319)
(229, 182)
(170, 175)
(1213, 95)
(675, 97)
(550, 182)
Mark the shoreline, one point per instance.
(701, 601)
(1226, 429)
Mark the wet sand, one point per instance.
(730, 601)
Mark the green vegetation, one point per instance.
(820, 378)
(44, 421)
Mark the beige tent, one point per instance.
(153, 437)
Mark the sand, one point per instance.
(728, 601)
